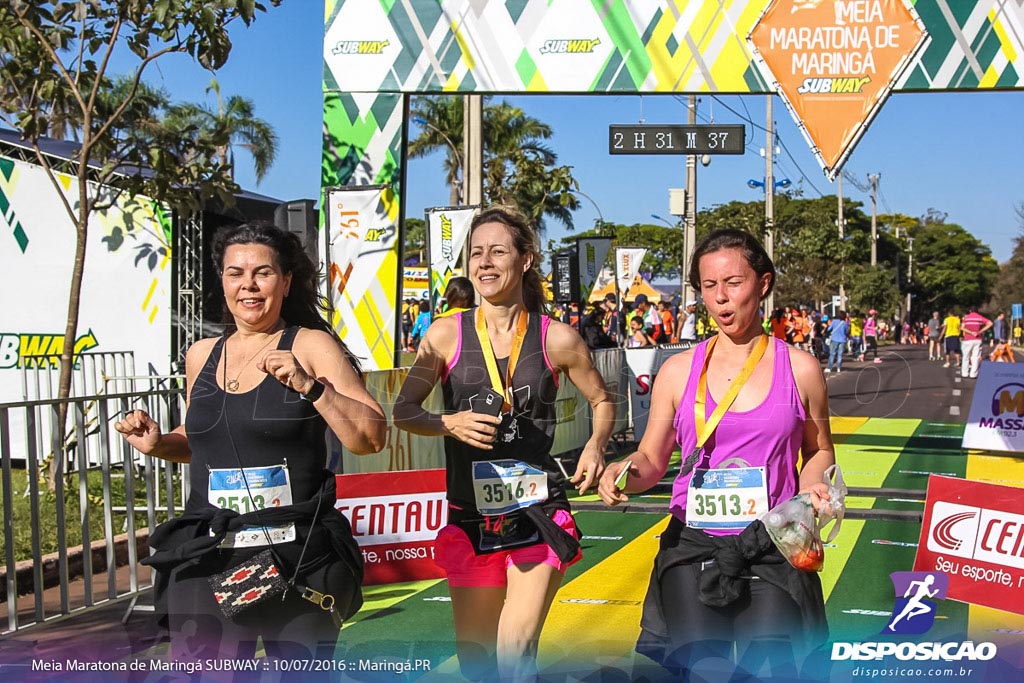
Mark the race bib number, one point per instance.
(268, 487)
(726, 499)
(502, 486)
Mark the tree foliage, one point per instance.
(54, 78)
(952, 269)
(519, 168)
(664, 245)
(1009, 286)
(232, 123)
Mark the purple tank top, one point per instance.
(770, 435)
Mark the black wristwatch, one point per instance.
(315, 392)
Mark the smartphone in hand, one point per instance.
(620, 481)
(488, 402)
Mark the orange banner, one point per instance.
(834, 64)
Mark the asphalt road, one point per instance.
(904, 385)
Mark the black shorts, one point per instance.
(952, 344)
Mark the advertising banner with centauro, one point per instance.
(592, 252)
(834, 63)
(126, 286)
(447, 229)
(974, 532)
(996, 420)
(362, 271)
(395, 517)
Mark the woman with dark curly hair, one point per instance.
(259, 399)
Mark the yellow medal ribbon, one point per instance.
(505, 389)
(703, 425)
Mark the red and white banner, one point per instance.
(395, 517)
(974, 532)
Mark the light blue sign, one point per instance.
(1017, 311)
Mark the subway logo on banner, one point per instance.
(1007, 408)
(843, 86)
(977, 533)
(446, 237)
(359, 47)
(26, 349)
(569, 46)
(395, 519)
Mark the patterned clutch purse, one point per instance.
(247, 584)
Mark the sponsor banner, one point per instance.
(362, 266)
(627, 266)
(447, 230)
(643, 366)
(974, 532)
(581, 46)
(129, 253)
(611, 363)
(402, 450)
(996, 420)
(834, 63)
(395, 517)
(592, 252)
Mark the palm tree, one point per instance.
(441, 119)
(519, 168)
(233, 123)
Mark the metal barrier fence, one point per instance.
(95, 453)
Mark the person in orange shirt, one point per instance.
(779, 324)
(801, 329)
(667, 319)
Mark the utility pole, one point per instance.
(841, 222)
(873, 178)
(769, 199)
(690, 232)
(472, 160)
(910, 273)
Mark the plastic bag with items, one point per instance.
(794, 530)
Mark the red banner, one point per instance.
(395, 517)
(975, 533)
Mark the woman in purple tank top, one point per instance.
(743, 408)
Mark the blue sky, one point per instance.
(960, 153)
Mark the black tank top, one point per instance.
(527, 437)
(270, 425)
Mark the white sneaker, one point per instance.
(827, 370)
(877, 360)
(945, 365)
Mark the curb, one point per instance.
(49, 565)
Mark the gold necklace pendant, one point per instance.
(232, 384)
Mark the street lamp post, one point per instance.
(769, 198)
(600, 216)
(683, 292)
(461, 186)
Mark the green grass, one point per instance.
(22, 522)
